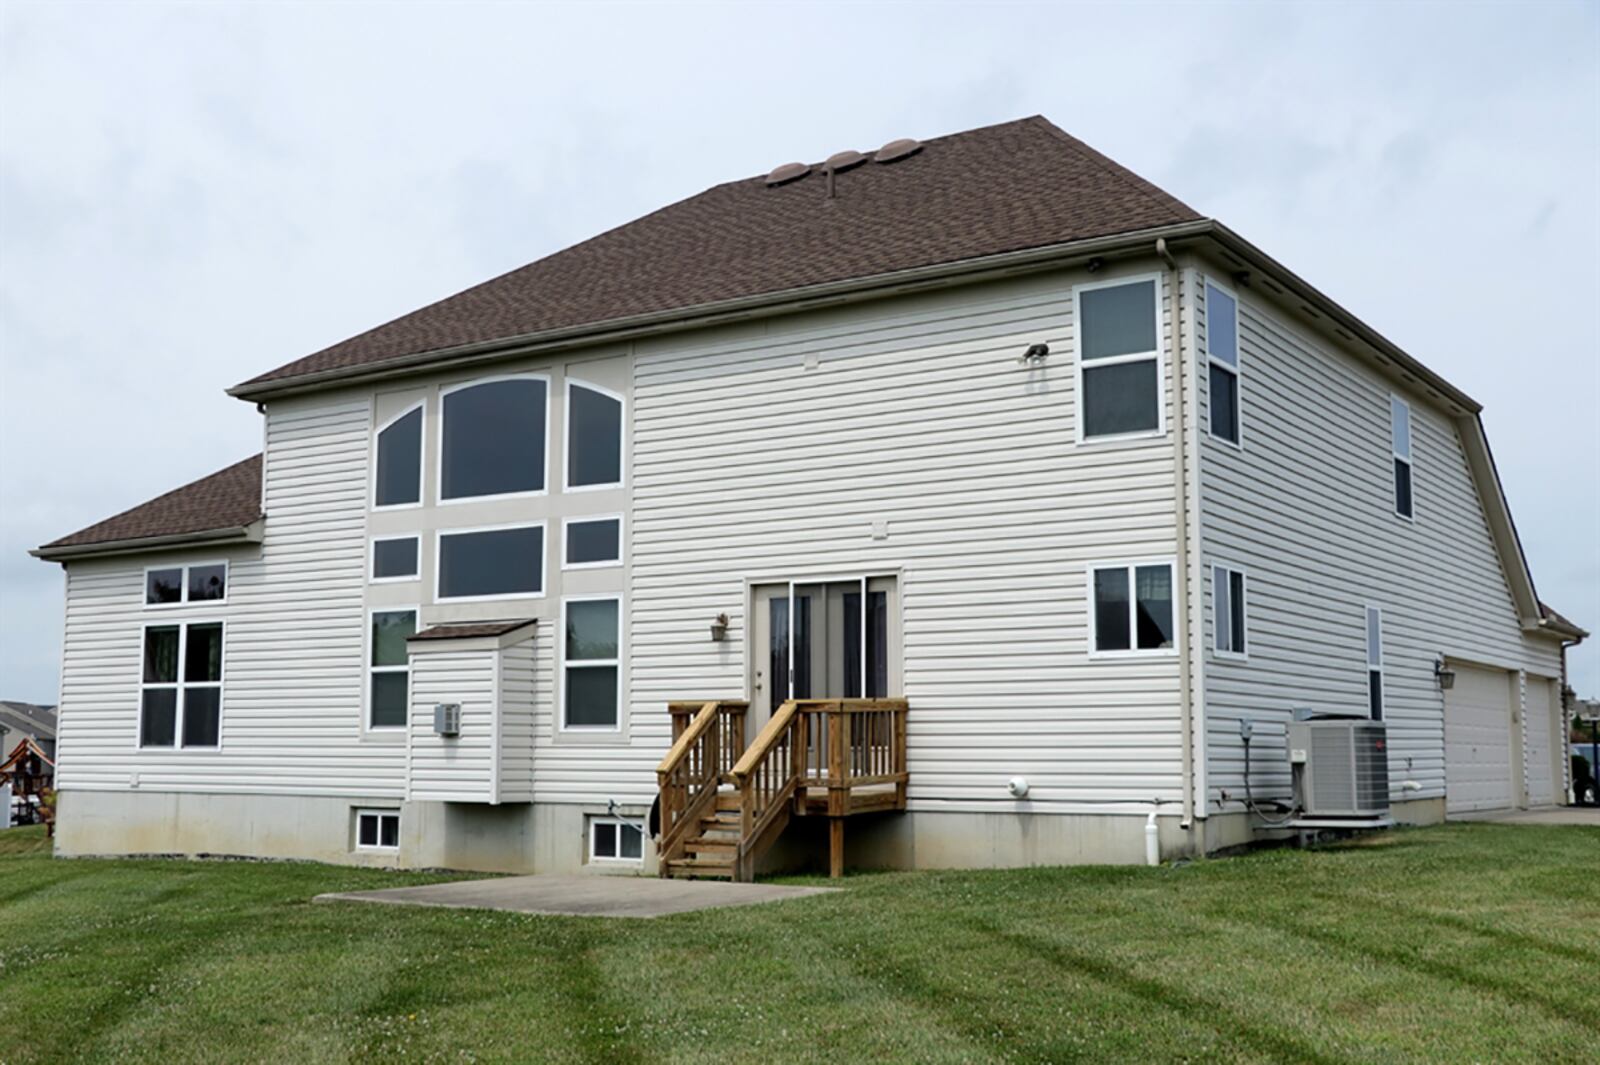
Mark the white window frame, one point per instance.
(179, 685)
(567, 523)
(438, 481)
(1236, 369)
(372, 559)
(1159, 355)
(1133, 650)
(615, 859)
(1396, 401)
(1218, 621)
(439, 536)
(380, 812)
(369, 669)
(183, 583)
(622, 442)
(1368, 615)
(422, 451)
(589, 663)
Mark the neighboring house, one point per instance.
(20, 721)
(1060, 481)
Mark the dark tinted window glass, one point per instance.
(605, 840)
(1111, 610)
(394, 558)
(367, 826)
(1236, 609)
(163, 586)
(592, 630)
(400, 461)
(501, 562)
(1120, 398)
(1154, 586)
(632, 842)
(389, 830)
(208, 582)
(202, 716)
(592, 696)
(594, 541)
(877, 645)
(389, 631)
(388, 699)
(202, 660)
(778, 651)
(594, 438)
(1224, 404)
(158, 717)
(1402, 487)
(494, 439)
(1375, 694)
(1119, 320)
(1222, 327)
(161, 654)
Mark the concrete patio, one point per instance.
(581, 896)
(1550, 815)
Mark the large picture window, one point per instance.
(389, 668)
(397, 481)
(594, 436)
(180, 698)
(1222, 357)
(501, 563)
(493, 438)
(1119, 358)
(1131, 610)
(591, 654)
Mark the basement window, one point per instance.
(614, 840)
(1131, 612)
(198, 583)
(180, 696)
(377, 830)
(1222, 356)
(594, 437)
(494, 438)
(1400, 438)
(397, 479)
(1119, 358)
(1227, 608)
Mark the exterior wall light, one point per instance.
(1444, 675)
(719, 628)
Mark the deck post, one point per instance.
(835, 847)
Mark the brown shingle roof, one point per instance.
(1011, 187)
(227, 499)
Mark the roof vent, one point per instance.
(897, 150)
(839, 162)
(786, 173)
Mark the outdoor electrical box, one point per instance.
(447, 719)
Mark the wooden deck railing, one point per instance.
(765, 777)
(702, 750)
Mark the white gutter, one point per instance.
(233, 534)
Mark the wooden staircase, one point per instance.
(723, 804)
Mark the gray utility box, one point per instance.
(1340, 766)
(447, 719)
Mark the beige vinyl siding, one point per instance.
(455, 768)
(292, 656)
(519, 687)
(768, 451)
(1306, 507)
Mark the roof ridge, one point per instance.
(1156, 193)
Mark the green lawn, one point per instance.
(1457, 944)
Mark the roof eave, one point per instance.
(250, 533)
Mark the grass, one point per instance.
(1461, 943)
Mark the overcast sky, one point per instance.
(192, 194)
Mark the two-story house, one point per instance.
(975, 484)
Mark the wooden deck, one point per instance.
(723, 804)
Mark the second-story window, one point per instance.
(1400, 437)
(398, 480)
(594, 437)
(1119, 358)
(493, 438)
(1222, 357)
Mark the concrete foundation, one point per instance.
(552, 838)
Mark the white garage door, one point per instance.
(1477, 740)
(1543, 734)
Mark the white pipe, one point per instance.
(1152, 841)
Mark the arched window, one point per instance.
(493, 438)
(594, 436)
(398, 482)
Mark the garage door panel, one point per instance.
(1542, 736)
(1477, 740)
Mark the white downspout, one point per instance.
(1152, 840)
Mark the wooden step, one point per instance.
(701, 867)
(703, 845)
(728, 801)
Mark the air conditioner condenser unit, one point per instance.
(1340, 767)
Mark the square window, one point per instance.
(377, 830)
(615, 840)
(1132, 608)
(1118, 319)
(164, 586)
(1121, 398)
(389, 698)
(389, 631)
(594, 542)
(395, 559)
(208, 583)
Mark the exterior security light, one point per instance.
(719, 628)
(1444, 675)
